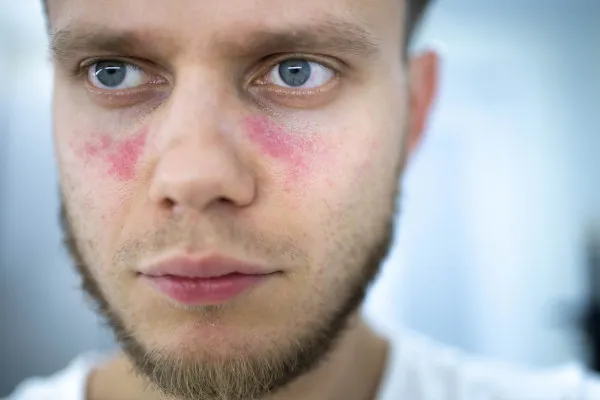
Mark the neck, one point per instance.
(352, 371)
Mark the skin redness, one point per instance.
(309, 101)
(292, 146)
(120, 157)
(274, 140)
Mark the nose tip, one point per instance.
(193, 177)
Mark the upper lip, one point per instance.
(213, 266)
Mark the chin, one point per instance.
(249, 326)
(201, 336)
(213, 349)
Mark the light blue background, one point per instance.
(488, 255)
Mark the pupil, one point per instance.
(110, 73)
(295, 72)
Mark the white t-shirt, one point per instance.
(418, 369)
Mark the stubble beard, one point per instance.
(242, 377)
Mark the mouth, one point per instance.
(205, 281)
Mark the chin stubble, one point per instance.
(243, 377)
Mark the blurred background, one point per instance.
(494, 245)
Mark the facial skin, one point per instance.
(203, 150)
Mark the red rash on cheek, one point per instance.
(121, 157)
(292, 148)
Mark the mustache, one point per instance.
(220, 234)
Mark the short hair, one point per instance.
(415, 9)
(414, 14)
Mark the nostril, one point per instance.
(168, 203)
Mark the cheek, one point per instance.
(118, 159)
(296, 150)
(100, 173)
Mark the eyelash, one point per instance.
(271, 62)
(81, 70)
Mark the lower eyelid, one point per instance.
(272, 91)
(126, 98)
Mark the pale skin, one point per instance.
(206, 148)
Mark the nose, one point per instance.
(198, 163)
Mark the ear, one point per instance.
(423, 79)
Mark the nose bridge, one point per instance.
(193, 111)
(196, 164)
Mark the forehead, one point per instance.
(201, 22)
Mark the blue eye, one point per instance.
(116, 75)
(295, 72)
(300, 74)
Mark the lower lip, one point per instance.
(203, 291)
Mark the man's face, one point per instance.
(270, 132)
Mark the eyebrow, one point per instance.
(330, 36)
